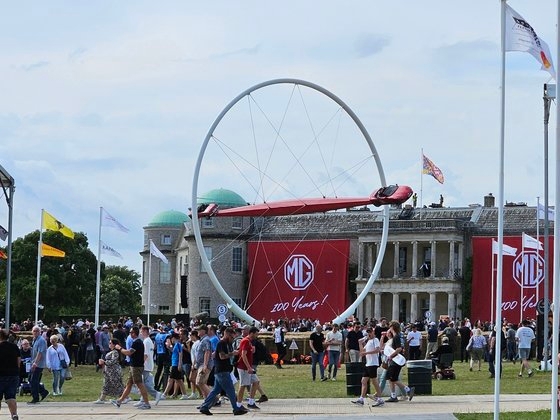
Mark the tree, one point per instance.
(120, 291)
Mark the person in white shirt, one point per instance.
(148, 366)
(370, 348)
(413, 339)
(334, 341)
(524, 337)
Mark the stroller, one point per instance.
(444, 367)
(24, 385)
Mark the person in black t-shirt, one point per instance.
(352, 343)
(316, 340)
(9, 372)
(136, 353)
(222, 376)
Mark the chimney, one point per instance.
(489, 200)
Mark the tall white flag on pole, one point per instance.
(520, 36)
(106, 249)
(108, 220)
(531, 243)
(507, 250)
(157, 253)
(541, 212)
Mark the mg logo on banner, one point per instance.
(299, 272)
(528, 269)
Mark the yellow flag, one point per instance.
(50, 223)
(51, 251)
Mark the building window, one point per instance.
(208, 251)
(166, 239)
(204, 304)
(163, 308)
(237, 259)
(237, 222)
(164, 273)
(238, 302)
(207, 222)
(402, 259)
(144, 273)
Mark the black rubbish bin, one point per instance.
(420, 376)
(354, 373)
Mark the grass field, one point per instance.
(294, 381)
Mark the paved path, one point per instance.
(420, 408)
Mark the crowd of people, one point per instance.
(174, 360)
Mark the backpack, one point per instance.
(261, 354)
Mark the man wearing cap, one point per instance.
(432, 340)
(370, 347)
(443, 349)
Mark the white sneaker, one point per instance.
(378, 403)
(144, 406)
(138, 403)
(126, 400)
(193, 396)
(184, 397)
(159, 396)
(99, 402)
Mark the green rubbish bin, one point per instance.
(354, 373)
(420, 376)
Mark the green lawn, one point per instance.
(288, 383)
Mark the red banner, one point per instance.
(288, 279)
(522, 279)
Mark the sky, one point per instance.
(107, 104)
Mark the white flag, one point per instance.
(506, 249)
(520, 36)
(541, 213)
(157, 253)
(530, 242)
(106, 249)
(108, 220)
(3, 233)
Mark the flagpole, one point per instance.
(547, 97)
(538, 232)
(38, 282)
(522, 282)
(421, 175)
(148, 302)
(556, 277)
(98, 274)
(498, 348)
(493, 286)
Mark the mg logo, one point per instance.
(528, 269)
(299, 272)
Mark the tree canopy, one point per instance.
(67, 285)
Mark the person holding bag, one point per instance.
(57, 363)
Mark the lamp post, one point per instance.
(548, 95)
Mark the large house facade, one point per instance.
(422, 273)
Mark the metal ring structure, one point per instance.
(238, 311)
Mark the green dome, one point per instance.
(223, 198)
(169, 218)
